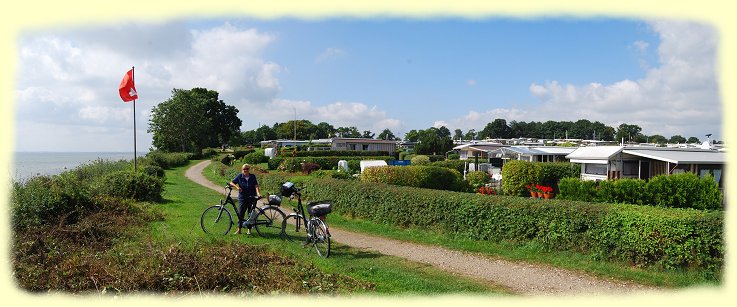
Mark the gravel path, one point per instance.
(518, 277)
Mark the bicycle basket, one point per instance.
(320, 208)
(287, 189)
(274, 200)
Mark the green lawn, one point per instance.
(185, 200)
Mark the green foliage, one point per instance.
(167, 160)
(430, 177)
(43, 199)
(192, 120)
(255, 158)
(684, 190)
(239, 154)
(324, 162)
(477, 179)
(403, 155)
(342, 153)
(644, 236)
(519, 174)
(454, 156)
(209, 152)
(154, 171)
(420, 160)
(125, 184)
(551, 172)
(458, 165)
(335, 174)
(309, 167)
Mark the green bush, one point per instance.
(167, 160)
(518, 175)
(430, 177)
(209, 152)
(45, 199)
(420, 160)
(155, 171)
(454, 156)
(335, 174)
(685, 190)
(477, 179)
(458, 165)
(403, 155)
(325, 162)
(626, 190)
(126, 184)
(644, 236)
(577, 189)
(255, 158)
(239, 154)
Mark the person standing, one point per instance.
(248, 189)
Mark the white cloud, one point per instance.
(328, 54)
(681, 96)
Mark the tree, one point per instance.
(412, 136)
(387, 135)
(496, 129)
(304, 128)
(677, 139)
(367, 134)
(628, 132)
(657, 139)
(434, 141)
(470, 135)
(191, 120)
(348, 132)
(458, 134)
(693, 140)
(325, 130)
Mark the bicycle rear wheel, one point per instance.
(269, 222)
(322, 238)
(295, 229)
(216, 220)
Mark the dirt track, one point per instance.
(518, 277)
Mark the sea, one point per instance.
(26, 165)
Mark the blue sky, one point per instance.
(372, 73)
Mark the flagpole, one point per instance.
(135, 156)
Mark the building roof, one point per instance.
(479, 146)
(602, 154)
(681, 156)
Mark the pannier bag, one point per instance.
(320, 208)
(274, 200)
(287, 189)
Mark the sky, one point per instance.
(373, 73)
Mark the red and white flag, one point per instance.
(127, 88)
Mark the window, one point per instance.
(365, 147)
(595, 169)
(630, 168)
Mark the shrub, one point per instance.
(477, 179)
(458, 165)
(255, 158)
(239, 154)
(577, 189)
(227, 160)
(126, 184)
(335, 174)
(209, 152)
(626, 190)
(519, 174)
(420, 160)
(308, 167)
(290, 165)
(685, 190)
(43, 199)
(167, 160)
(403, 155)
(454, 156)
(155, 171)
(431, 177)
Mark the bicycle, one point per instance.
(267, 220)
(316, 231)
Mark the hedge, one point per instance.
(342, 153)
(324, 162)
(643, 236)
(518, 174)
(430, 177)
(169, 160)
(685, 190)
(458, 165)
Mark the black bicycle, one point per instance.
(267, 220)
(298, 228)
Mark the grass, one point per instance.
(528, 252)
(185, 201)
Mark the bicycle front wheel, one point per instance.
(294, 229)
(321, 238)
(269, 222)
(216, 220)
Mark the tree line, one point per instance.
(195, 119)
